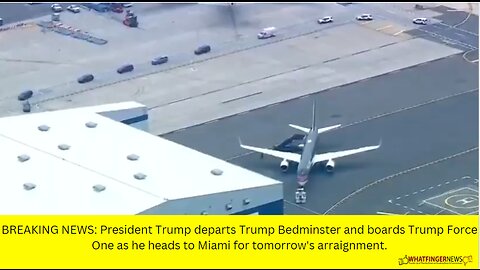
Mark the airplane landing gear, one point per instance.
(300, 196)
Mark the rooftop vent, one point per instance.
(99, 188)
(140, 176)
(204, 213)
(228, 206)
(23, 158)
(91, 124)
(216, 172)
(43, 128)
(246, 201)
(29, 186)
(64, 147)
(133, 157)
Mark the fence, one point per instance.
(70, 31)
(16, 26)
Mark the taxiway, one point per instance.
(423, 114)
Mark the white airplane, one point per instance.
(308, 157)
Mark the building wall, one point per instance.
(139, 123)
(266, 200)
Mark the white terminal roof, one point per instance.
(64, 179)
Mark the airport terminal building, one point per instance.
(101, 160)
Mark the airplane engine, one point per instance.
(330, 165)
(284, 165)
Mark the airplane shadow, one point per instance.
(234, 16)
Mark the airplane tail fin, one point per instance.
(314, 124)
(314, 120)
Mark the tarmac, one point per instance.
(419, 120)
(470, 7)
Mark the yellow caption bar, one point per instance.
(239, 242)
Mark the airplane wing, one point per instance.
(333, 155)
(279, 154)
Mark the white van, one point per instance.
(267, 33)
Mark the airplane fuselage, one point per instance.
(306, 159)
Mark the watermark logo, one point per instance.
(435, 260)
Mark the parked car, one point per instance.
(57, 8)
(97, 7)
(116, 7)
(85, 78)
(326, 19)
(25, 95)
(202, 49)
(420, 21)
(1, 21)
(417, 6)
(26, 106)
(160, 60)
(101, 7)
(73, 8)
(365, 17)
(125, 68)
(127, 5)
